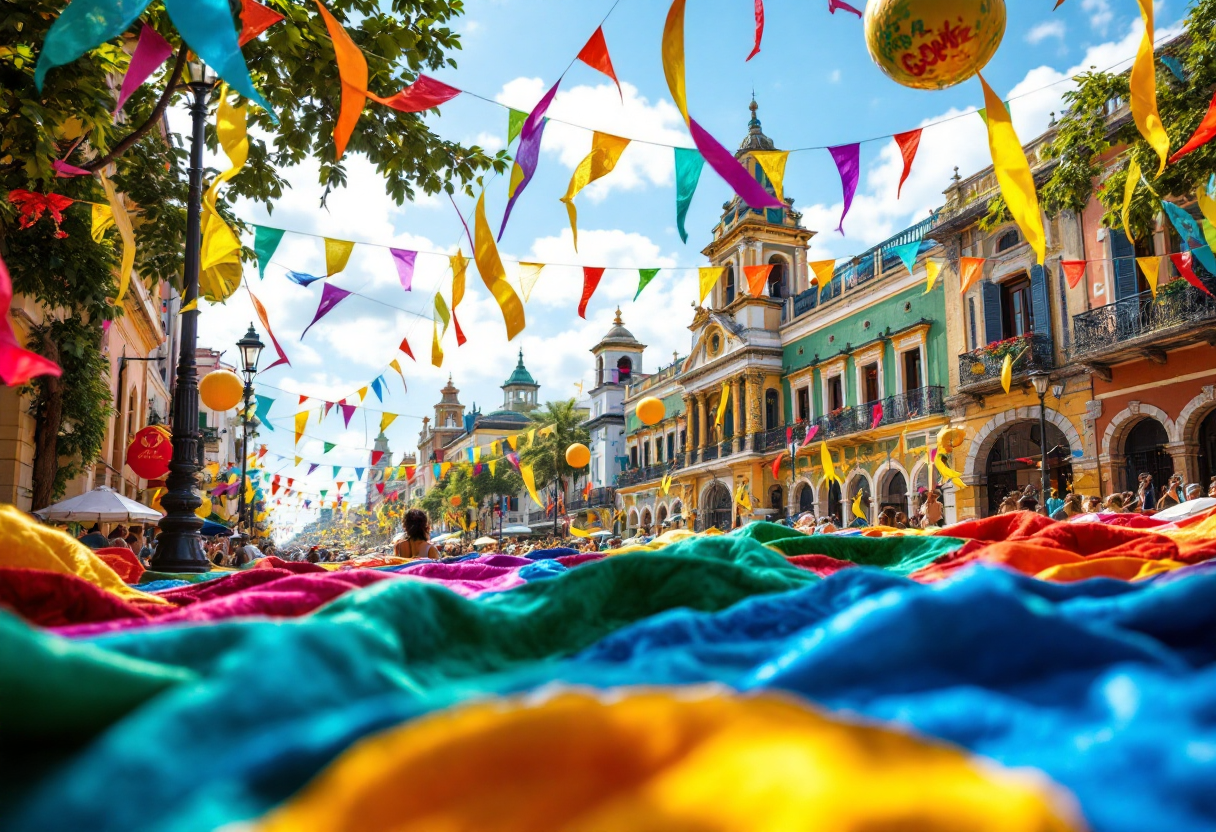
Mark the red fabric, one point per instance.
(17, 364)
(821, 565)
(405, 348)
(460, 336)
(591, 279)
(908, 143)
(571, 561)
(298, 567)
(55, 599)
(1204, 134)
(833, 5)
(255, 19)
(759, 29)
(595, 55)
(777, 464)
(423, 94)
(1074, 270)
(123, 561)
(32, 206)
(1182, 262)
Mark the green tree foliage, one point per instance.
(547, 454)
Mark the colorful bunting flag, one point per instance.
(689, 163)
(725, 165)
(949, 474)
(759, 29)
(1007, 372)
(708, 277)
(255, 19)
(772, 162)
(118, 211)
(376, 457)
(362, 391)
(595, 55)
(644, 278)
(301, 423)
(848, 163)
(757, 278)
(1202, 135)
(359, 473)
(303, 278)
(337, 254)
(151, 50)
(375, 385)
(858, 511)
(605, 152)
(262, 410)
(460, 265)
(515, 123)
(823, 271)
(1074, 270)
(591, 279)
(348, 410)
(722, 403)
(932, 269)
(331, 296)
(1013, 173)
(909, 143)
(829, 468)
(1151, 266)
(907, 253)
(1129, 191)
(527, 155)
(404, 260)
(312, 466)
(1183, 263)
(424, 94)
(17, 364)
(1142, 84)
(396, 365)
(810, 434)
(436, 349)
(489, 264)
(1190, 234)
(526, 474)
(833, 5)
(971, 270)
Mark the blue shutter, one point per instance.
(1064, 309)
(1038, 299)
(1124, 253)
(992, 313)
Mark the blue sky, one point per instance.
(815, 85)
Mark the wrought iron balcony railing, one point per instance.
(598, 498)
(981, 369)
(1127, 322)
(648, 473)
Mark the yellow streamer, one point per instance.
(220, 257)
(722, 403)
(492, 463)
(485, 252)
(605, 152)
(673, 56)
(858, 511)
(1151, 267)
(122, 220)
(709, 275)
(441, 309)
(1007, 372)
(525, 473)
(948, 473)
(932, 269)
(460, 265)
(1013, 172)
(436, 350)
(103, 218)
(829, 468)
(772, 162)
(1143, 86)
(1129, 191)
(337, 253)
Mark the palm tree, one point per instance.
(547, 454)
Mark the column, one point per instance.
(755, 403)
(736, 391)
(689, 424)
(1186, 462)
(701, 423)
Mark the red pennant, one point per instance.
(261, 310)
(405, 348)
(328, 407)
(1182, 262)
(777, 464)
(303, 399)
(380, 487)
(376, 456)
(789, 436)
(291, 481)
(261, 452)
(759, 29)
(460, 339)
(255, 19)
(1074, 270)
(17, 364)
(833, 5)
(908, 143)
(409, 472)
(274, 488)
(595, 55)
(1204, 134)
(757, 277)
(591, 279)
(423, 94)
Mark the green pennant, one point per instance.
(265, 241)
(329, 446)
(337, 468)
(644, 278)
(515, 123)
(324, 491)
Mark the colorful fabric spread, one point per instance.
(1012, 673)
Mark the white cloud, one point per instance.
(1100, 14)
(490, 142)
(1046, 29)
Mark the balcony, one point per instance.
(980, 371)
(649, 473)
(906, 407)
(1143, 324)
(598, 498)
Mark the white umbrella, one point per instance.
(1188, 509)
(601, 534)
(517, 530)
(484, 541)
(101, 505)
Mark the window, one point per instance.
(730, 285)
(1017, 318)
(869, 380)
(804, 404)
(671, 446)
(912, 366)
(683, 439)
(599, 370)
(835, 393)
(777, 278)
(633, 456)
(658, 449)
(1007, 241)
(971, 314)
(771, 415)
(645, 454)
(624, 369)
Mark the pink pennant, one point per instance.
(65, 171)
(726, 166)
(17, 364)
(405, 266)
(423, 94)
(331, 296)
(877, 416)
(328, 407)
(810, 434)
(348, 410)
(150, 52)
(833, 5)
(848, 162)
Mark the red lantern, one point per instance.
(149, 452)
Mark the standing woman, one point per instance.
(417, 532)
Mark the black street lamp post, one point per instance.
(251, 350)
(1041, 381)
(179, 547)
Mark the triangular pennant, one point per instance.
(529, 273)
(595, 55)
(644, 278)
(513, 441)
(1183, 263)
(823, 271)
(1013, 173)
(376, 389)
(386, 419)
(255, 19)
(377, 456)
(301, 422)
(337, 253)
(396, 365)
(515, 123)
(757, 278)
(359, 473)
(907, 253)
(527, 154)
(261, 310)
(404, 260)
(436, 350)
(151, 50)
(772, 162)
(348, 410)
(262, 411)
(971, 270)
(591, 279)
(1074, 270)
(908, 143)
(707, 277)
(405, 348)
(1151, 266)
(362, 393)
(331, 296)
(493, 275)
(689, 164)
(312, 466)
(932, 269)
(848, 164)
(328, 446)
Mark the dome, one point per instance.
(520, 377)
(756, 140)
(618, 336)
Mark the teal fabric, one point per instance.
(265, 241)
(208, 28)
(689, 163)
(897, 555)
(81, 26)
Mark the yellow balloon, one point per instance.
(651, 411)
(933, 44)
(578, 455)
(221, 390)
(204, 511)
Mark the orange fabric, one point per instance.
(352, 69)
(123, 561)
(1123, 569)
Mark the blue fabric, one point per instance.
(542, 569)
(208, 28)
(81, 26)
(156, 586)
(549, 554)
(302, 278)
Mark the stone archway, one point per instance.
(661, 515)
(804, 494)
(716, 508)
(981, 445)
(894, 487)
(831, 499)
(858, 482)
(1123, 421)
(646, 519)
(632, 522)
(1132, 423)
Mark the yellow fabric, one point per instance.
(971, 270)
(27, 544)
(517, 178)
(708, 275)
(823, 270)
(301, 422)
(441, 309)
(1129, 191)
(513, 441)
(529, 273)
(605, 152)
(772, 162)
(531, 437)
(1007, 372)
(337, 253)
(948, 473)
(460, 265)
(1013, 172)
(1123, 569)
(697, 759)
(579, 533)
(722, 404)
(1151, 266)
(436, 350)
(1143, 87)
(362, 393)
(220, 256)
(489, 264)
(525, 472)
(386, 419)
(932, 269)
(122, 220)
(673, 56)
(444, 467)
(829, 468)
(858, 511)
(103, 218)
(492, 463)
(1207, 206)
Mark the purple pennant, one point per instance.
(722, 161)
(848, 162)
(312, 466)
(405, 266)
(477, 469)
(150, 52)
(331, 296)
(307, 503)
(348, 410)
(527, 153)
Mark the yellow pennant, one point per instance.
(971, 269)
(673, 56)
(441, 310)
(932, 269)
(1209, 233)
(772, 162)
(525, 473)
(605, 152)
(531, 437)
(902, 448)
(1207, 205)
(301, 423)
(823, 270)
(513, 441)
(1007, 372)
(491, 464)
(118, 213)
(362, 393)
(299, 459)
(103, 218)
(1129, 191)
(220, 255)
(476, 454)
(436, 350)
(1143, 87)
(858, 511)
(397, 366)
(386, 419)
(829, 468)
(709, 275)
(444, 467)
(460, 265)
(1151, 266)
(485, 252)
(665, 484)
(337, 253)
(1013, 172)
(529, 273)
(496, 448)
(722, 404)
(948, 473)
(579, 533)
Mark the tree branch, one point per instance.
(179, 64)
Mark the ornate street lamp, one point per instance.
(251, 350)
(1041, 381)
(179, 547)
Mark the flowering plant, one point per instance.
(997, 350)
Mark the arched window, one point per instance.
(599, 370)
(778, 278)
(1007, 241)
(729, 292)
(624, 369)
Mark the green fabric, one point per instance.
(688, 173)
(515, 123)
(265, 241)
(898, 555)
(644, 278)
(766, 533)
(151, 575)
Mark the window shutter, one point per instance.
(992, 313)
(1038, 299)
(1124, 253)
(971, 309)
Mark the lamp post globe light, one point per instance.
(1041, 382)
(179, 547)
(251, 350)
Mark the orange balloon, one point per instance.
(933, 44)
(651, 411)
(578, 455)
(221, 390)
